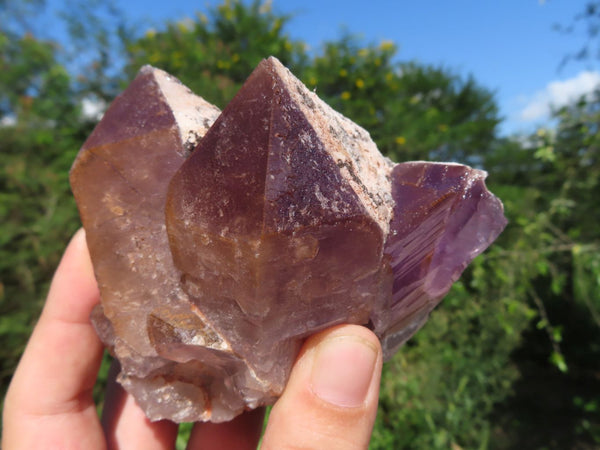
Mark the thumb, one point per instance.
(331, 398)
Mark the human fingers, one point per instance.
(49, 402)
(125, 424)
(330, 400)
(241, 433)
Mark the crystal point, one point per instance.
(221, 241)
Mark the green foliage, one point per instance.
(96, 50)
(214, 54)
(453, 372)
(549, 260)
(37, 216)
(517, 338)
(37, 212)
(588, 19)
(412, 111)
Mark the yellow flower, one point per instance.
(363, 52)
(345, 95)
(415, 99)
(177, 59)
(182, 27)
(400, 140)
(312, 81)
(389, 76)
(343, 73)
(266, 7)
(226, 10)
(545, 153)
(360, 83)
(235, 57)
(223, 64)
(150, 33)
(386, 45)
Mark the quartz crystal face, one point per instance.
(220, 241)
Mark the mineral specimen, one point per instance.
(218, 247)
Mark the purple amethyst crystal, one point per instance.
(221, 241)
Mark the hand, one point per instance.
(330, 400)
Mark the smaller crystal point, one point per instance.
(219, 247)
(443, 218)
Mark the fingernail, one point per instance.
(343, 369)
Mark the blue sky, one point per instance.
(509, 46)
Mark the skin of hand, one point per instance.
(329, 402)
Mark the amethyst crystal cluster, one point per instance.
(220, 240)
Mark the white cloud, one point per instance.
(559, 93)
(92, 108)
(8, 121)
